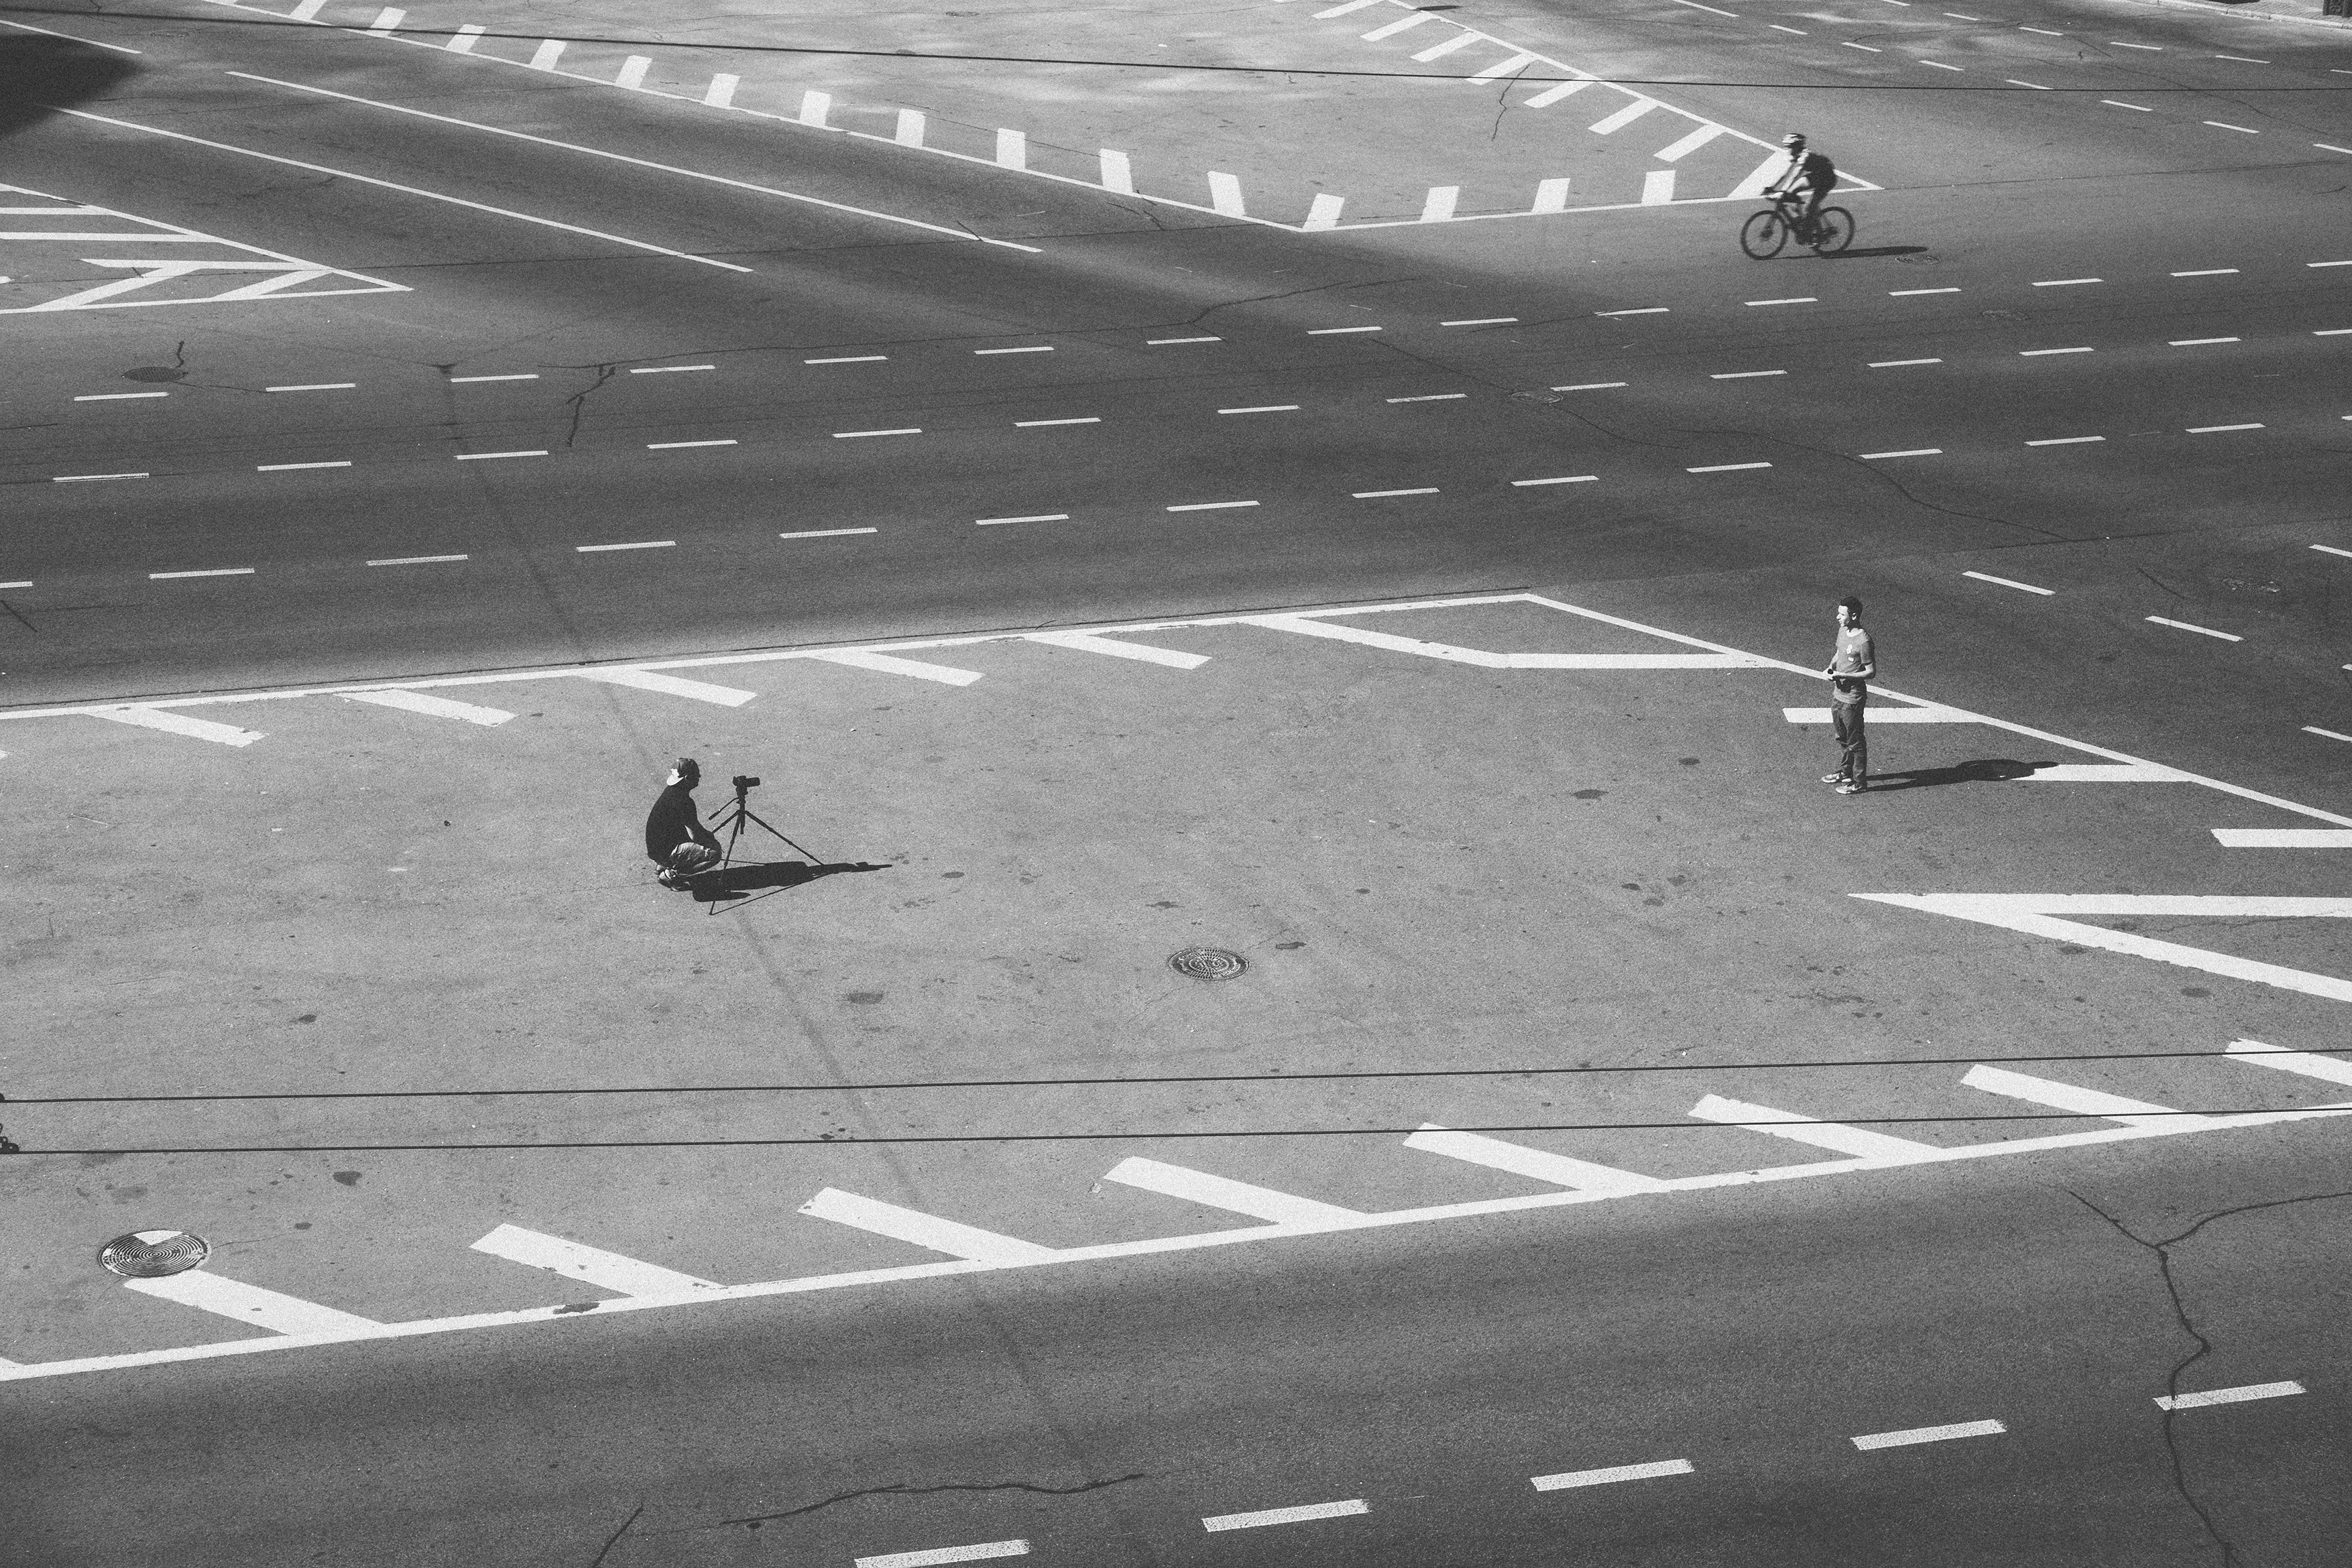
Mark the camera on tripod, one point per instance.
(745, 781)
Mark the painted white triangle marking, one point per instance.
(1537, 1164)
(669, 685)
(1236, 1196)
(2084, 1102)
(2254, 1053)
(1088, 642)
(890, 664)
(590, 1265)
(173, 723)
(437, 708)
(1859, 1142)
(927, 1230)
(251, 1304)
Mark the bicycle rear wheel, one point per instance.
(1764, 233)
(1832, 231)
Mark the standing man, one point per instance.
(1852, 665)
(675, 838)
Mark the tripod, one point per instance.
(738, 811)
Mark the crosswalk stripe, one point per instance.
(590, 1265)
(951, 1237)
(1238, 1197)
(1624, 116)
(1836, 1135)
(2084, 1101)
(670, 685)
(173, 723)
(2254, 1053)
(437, 708)
(263, 1309)
(890, 664)
(1539, 1165)
(1088, 642)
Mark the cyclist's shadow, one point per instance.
(1865, 251)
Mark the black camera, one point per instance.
(745, 781)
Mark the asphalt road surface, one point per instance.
(352, 345)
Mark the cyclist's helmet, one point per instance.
(1794, 138)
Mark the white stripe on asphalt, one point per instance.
(891, 664)
(2193, 626)
(1537, 1164)
(1912, 452)
(1881, 714)
(1033, 518)
(1610, 124)
(1675, 151)
(251, 1304)
(939, 1554)
(1929, 1435)
(418, 560)
(2285, 838)
(927, 1230)
(1725, 467)
(665, 369)
(2237, 1395)
(1561, 479)
(2010, 582)
(825, 533)
(1090, 642)
(2106, 773)
(1567, 1478)
(669, 685)
(209, 571)
(2254, 1053)
(589, 1265)
(1555, 92)
(1285, 1515)
(1316, 626)
(437, 708)
(1384, 495)
(1857, 1142)
(173, 723)
(1235, 1197)
(2083, 1102)
(290, 467)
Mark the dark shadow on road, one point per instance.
(1984, 770)
(40, 76)
(1866, 252)
(739, 882)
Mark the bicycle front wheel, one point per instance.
(1764, 233)
(1832, 231)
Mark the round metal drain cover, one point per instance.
(1207, 964)
(151, 1254)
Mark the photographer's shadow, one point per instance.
(736, 882)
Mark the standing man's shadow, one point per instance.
(1983, 771)
(734, 882)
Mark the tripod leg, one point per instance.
(763, 822)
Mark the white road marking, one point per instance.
(2007, 582)
(2066, 440)
(2034, 85)
(2328, 263)
(1333, 331)
(2197, 342)
(2217, 429)
(1316, 626)
(1683, 147)
(927, 1230)
(2083, 1102)
(1024, 348)
(2331, 549)
(2044, 31)
(1380, 495)
(417, 560)
(1895, 365)
(1235, 1197)
(1557, 479)
(825, 533)
(2330, 146)
(589, 1265)
(2242, 59)
(678, 445)
(1880, 713)
(668, 685)
(1614, 1473)
(1390, 29)
(386, 20)
(213, 571)
(24, 584)
(1012, 149)
(1209, 506)
(849, 359)
(518, 376)
(1164, 342)
(720, 93)
(1941, 66)
(1537, 1164)
(853, 435)
(1695, 5)
(2151, 48)
(2237, 1395)
(1911, 452)
(1552, 195)
(1800, 299)
(2307, 729)
(405, 190)
(461, 42)
(1040, 423)
(1866, 48)
(1778, 28)
(2285, 838)
(1511, 67)
(814, 107)
(2115, 104)
(88, 479)
(172, 723)
(1743, 375)
(2333, 332)
(940, 1554)
(1439, 51)
(288, 468)
(1285, 1515)
(2193, 626)
(2254, 1053)
(486, 457)
(1091, 643)
(1264, 408)
(665, 369)
(1869, 1441)
(1481, 321)
(437, 708)
(1725, 467)
(1432, 397)
(1657, 187)
(633, 544)
(2037, 353)
(116, 397)
(2225, 125)
(1644, 310)
(1857, 1143)
(549, 50)
(251, 1304)
(28, 28)
(646, 164)
(1343, 8)
(1035, 517)
(1592, 386)
(2209, 272)
(1610, 123)
(892, 664)
(1438, 206)
(1555, 92)
(2106, 773)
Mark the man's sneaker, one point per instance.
(1833, 777)
(1850, 788)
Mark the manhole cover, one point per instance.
(151, 1254)
(1207, 964)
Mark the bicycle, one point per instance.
(1766, 233)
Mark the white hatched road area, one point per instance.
(2291, 1085)
(61, 254)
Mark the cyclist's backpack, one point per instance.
(1819, 169)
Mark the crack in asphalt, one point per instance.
(2162, 1249)
(900, 1489)
(614, 1539)
(578, 401)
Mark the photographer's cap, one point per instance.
(685, 770)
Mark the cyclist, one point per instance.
(1810, 169)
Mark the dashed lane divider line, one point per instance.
(1869, 1440)
(1265, 1517)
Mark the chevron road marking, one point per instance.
(890, 664)
(590, 1265)
(280, 1314)
(670, 685)
(1857, 1142)
(2254, 1053)
(1238, 1197)
(1087, 642)
(2083, 1102)
(966, 1241)
(173, 723)
(437, 708)
(1539, 1165)
(2284, 838)
(1312, 626)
